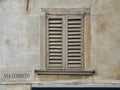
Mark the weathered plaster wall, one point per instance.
(105, 31)
(20, 38)
(14, 87)
(18, 44)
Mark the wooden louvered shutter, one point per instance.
(65, 42)
(55, 42)
(75, 42)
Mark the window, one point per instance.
(65, 41)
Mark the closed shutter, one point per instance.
(65, 42)
(55, 52)
(75, 42)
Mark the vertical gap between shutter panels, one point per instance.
(66, 39)
(47, 38)
(82, 41)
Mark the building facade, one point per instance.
(65, 42)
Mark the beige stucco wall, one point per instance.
(14, 87)
(20, 39)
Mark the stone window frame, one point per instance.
(87, 40)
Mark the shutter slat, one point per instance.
(55, 40)
(70, 22)
(55, 53)
(74, 44)
(55, 46)
(74, 51)
(74, 32)
(72, 29)
(74, 61)
(55, 21)
(53, 32)
(53, 66)
(55, 58)
(74, 47)
(75, 58)
(74, 26)
(74, 40)
(77, 54)
(51, 28)
(74, 66)
(55, 50)
(55, 36)
(74, 36)
(54, 43)
(53, 61)
(55, 25)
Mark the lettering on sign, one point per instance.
(17, 76)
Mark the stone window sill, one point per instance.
(61, 72)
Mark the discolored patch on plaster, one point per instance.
(102, 24)
(7, 42)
